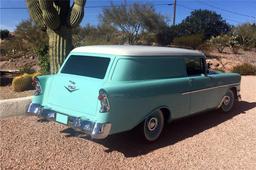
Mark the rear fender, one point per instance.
(44, 83)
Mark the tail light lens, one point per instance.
(38, 89)
(105, 107)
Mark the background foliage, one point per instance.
(136, 24)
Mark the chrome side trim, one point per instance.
(211, 88)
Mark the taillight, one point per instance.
(37, 86)
(105, 107)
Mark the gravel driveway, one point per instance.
(208, 141)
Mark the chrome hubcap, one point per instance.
(152, 124)
(226, 100)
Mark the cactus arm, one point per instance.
(76, 13)
(50, 14)
(35, 12)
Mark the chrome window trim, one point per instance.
(211, 88)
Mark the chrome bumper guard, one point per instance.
(94, 129)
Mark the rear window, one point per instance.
(95, 67)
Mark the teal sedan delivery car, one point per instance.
(103, 90)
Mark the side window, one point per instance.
(195, 66)
(149, 68)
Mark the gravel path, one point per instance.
(208, 141)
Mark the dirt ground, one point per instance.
(6, 92)
(212, 140)
(227, 60)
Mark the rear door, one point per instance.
(77, 85)
(201, 86)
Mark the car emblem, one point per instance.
(71, 87)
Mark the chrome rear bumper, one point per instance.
(94, 129)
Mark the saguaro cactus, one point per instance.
(58, 18)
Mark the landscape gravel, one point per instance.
(212, 140)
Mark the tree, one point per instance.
(58, 19)
(95, 35)
(192, 41)
(204, 22)
(220, 42)
(4, 34)
(133, 20)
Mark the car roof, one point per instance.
(136, 50)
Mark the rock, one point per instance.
(228, 67)
(217, 64)
(224, 61)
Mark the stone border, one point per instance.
(14, 107)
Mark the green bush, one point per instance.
(192, 41)
(43, 58)
(245, 69)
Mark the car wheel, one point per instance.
(152, 126)
(228, 101)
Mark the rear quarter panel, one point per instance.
(45, 83)
(131, 102)
(224, 82)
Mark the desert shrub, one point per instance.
(26, 40)
(220, 42)
(22, 83)
(26, 69)
(206, 47)
(43, 58)
(192, 41)
(245, 69)
(234, 43)
(246, 35)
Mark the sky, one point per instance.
(235, 12)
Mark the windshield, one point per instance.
(88, 66)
